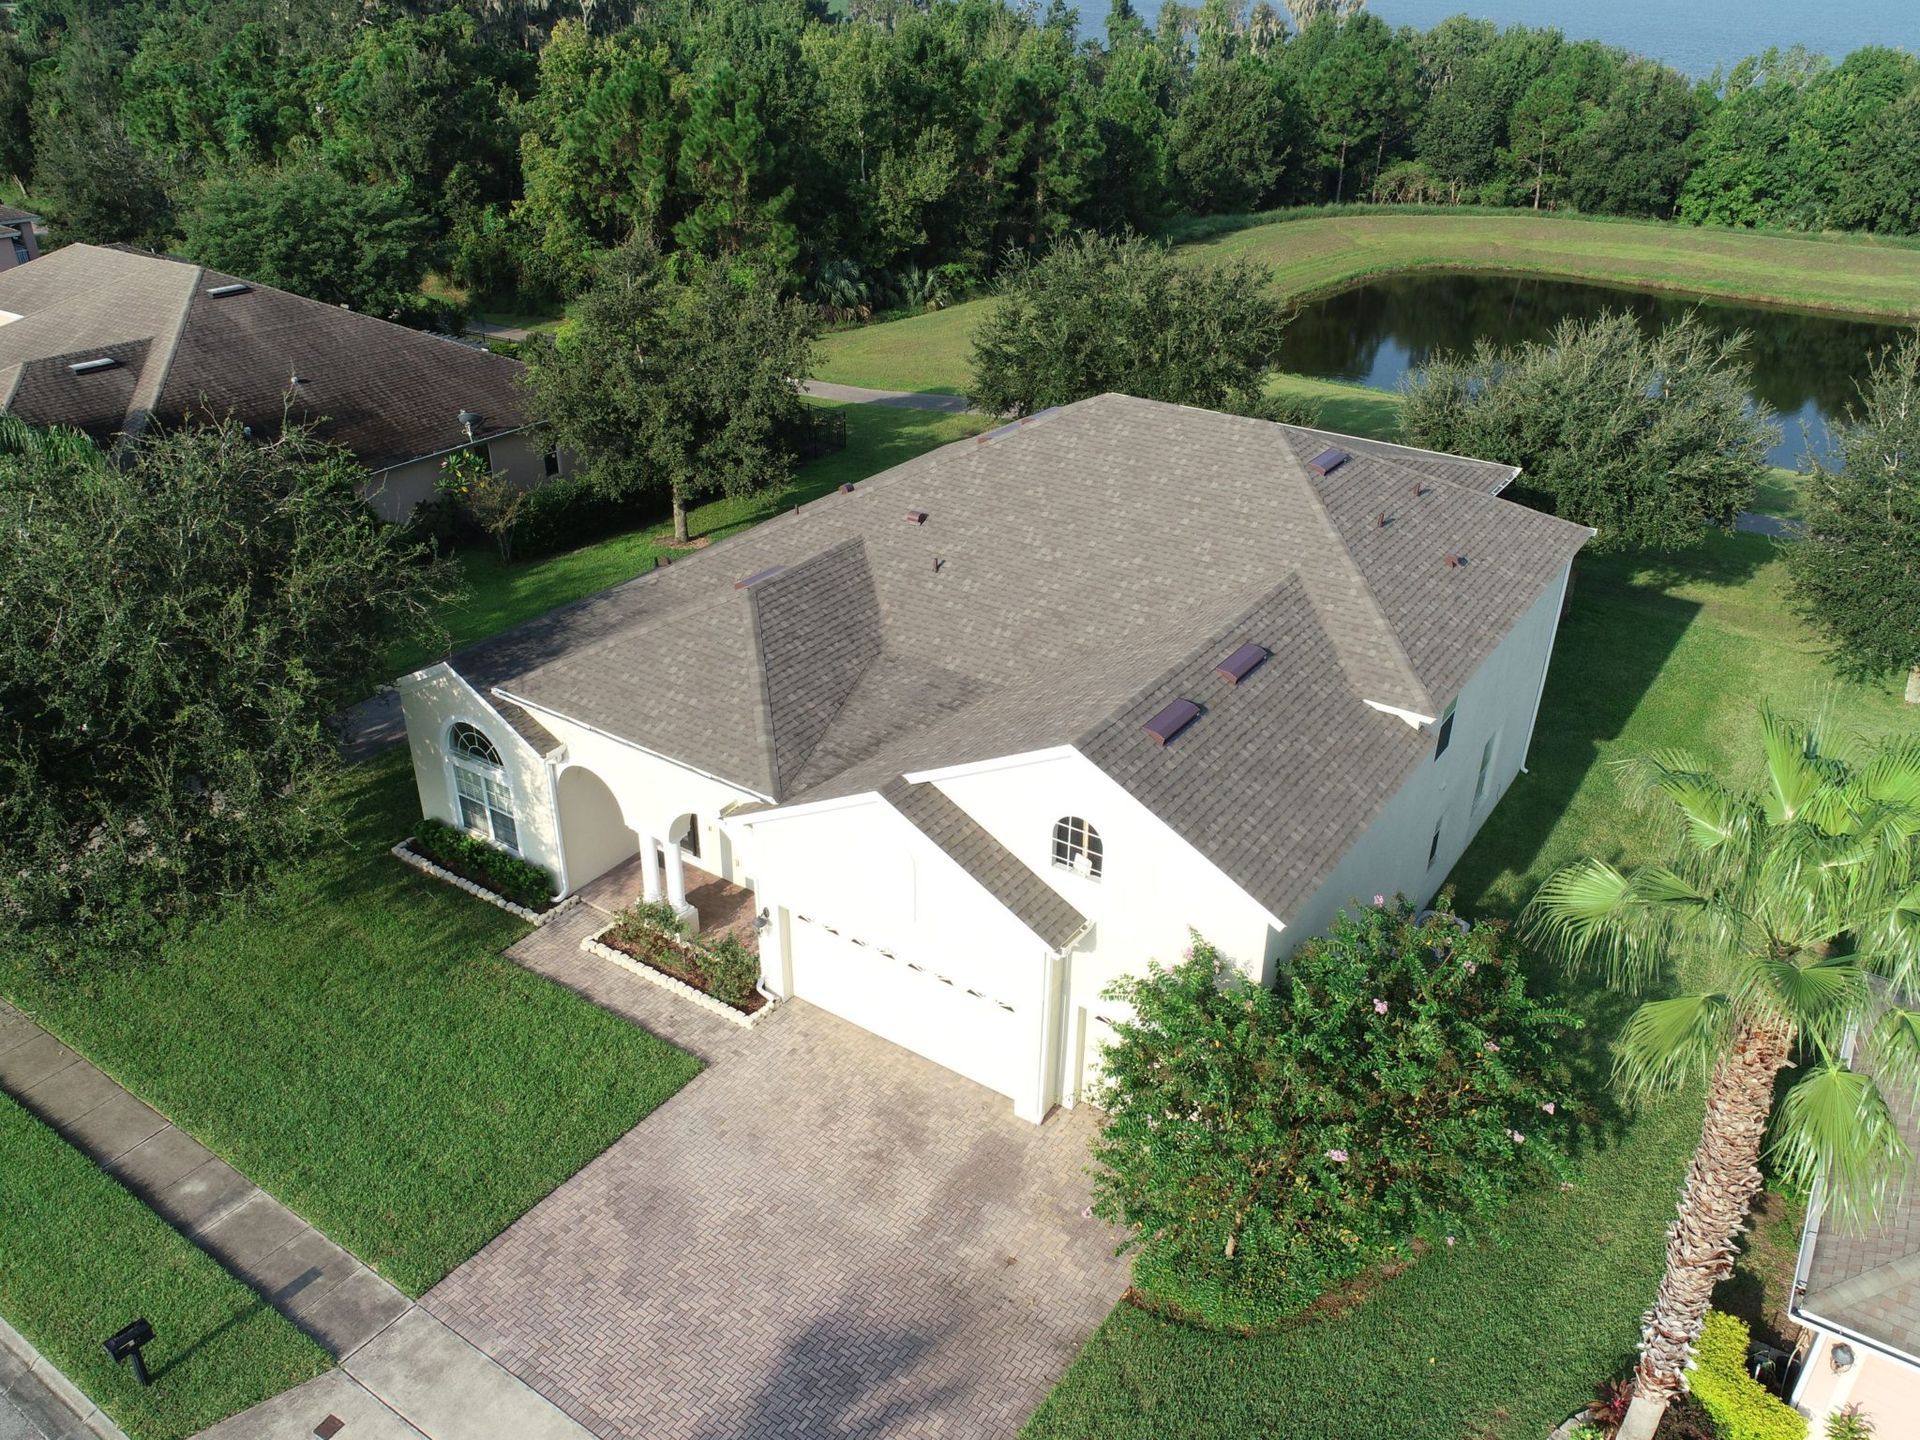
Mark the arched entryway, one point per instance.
(593, 834)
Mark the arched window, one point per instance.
(1076, 846)
(480, 786)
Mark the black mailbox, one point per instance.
(126, 1345)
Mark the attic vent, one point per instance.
(758, 576)
(846, 489)
(1328, 461)
(1241, 663)
(87, 367)
(1454, 562)
(916, 517)
(220, 292)
(1171, 721)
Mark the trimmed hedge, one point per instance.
(1742, 1408)
(508, 876)
(567, 512)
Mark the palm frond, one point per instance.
(1894, 938)
(1820, 999)
(1892, 777)
(1669, 1044)
(1834, 1130)
(1792, 773)
(1593, 914)
(1892, 1049)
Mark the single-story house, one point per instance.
(987, 731)
(1856, 1290)
(19, 236)
(110, 340)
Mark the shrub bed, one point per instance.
(508, 876)
(1742, 1408)
(1267, 1147)
(725, 969)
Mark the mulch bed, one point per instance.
(453, 866)
(670, 959)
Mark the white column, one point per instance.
(649, 868)
(676, 877)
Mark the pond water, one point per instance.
(1805, 366)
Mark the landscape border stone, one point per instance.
(48, 1374)
(412, 857)
(591, 944)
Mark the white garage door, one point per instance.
(930, 1014)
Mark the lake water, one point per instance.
(1804, 366)
(1693, 38)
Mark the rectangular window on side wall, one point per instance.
(1443, 737)
(1486, 769)
(1433, 849)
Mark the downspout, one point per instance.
(553, 805)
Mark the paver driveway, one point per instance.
(821, 1235)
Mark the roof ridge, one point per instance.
(153, 374)
(1316, 580)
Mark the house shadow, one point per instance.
(847, 1375)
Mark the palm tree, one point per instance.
(1790, 916)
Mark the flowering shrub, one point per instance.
(650, 930)
(1266, 1145)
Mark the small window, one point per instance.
(1486, 768)
(551, 460)
(1433, 850)
(1076, 847)
(1444, 737)
(480, 787)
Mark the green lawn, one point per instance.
(80, 1257)
(500, 596)
(1312, 253)
(1508, 1336)
(359, 1047)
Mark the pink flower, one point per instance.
(1450, 1242)
(1379, 900)
(1492, 1049)
(1473, 967)
(1339, 1157)
(1516, 1137)
(1379, 1006)
(1547, 1106)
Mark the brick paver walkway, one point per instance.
(821, 1235)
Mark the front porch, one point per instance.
(722, 907)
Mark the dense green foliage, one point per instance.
(1856, 570)
(1648, 440)
(650, 931)
(508, 876)
(176, 630)
(894, 155)
(1265, 1146)
(1742, 1408)
(1095, 315)
(314, 233)
(357, 1045)
(80, 1257)
(662, 387)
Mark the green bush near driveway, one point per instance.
(359, 1047)
(80, 1257)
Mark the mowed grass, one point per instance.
(500, 596)
(80, 1257)
(358, 1046)
(1508, 1335)
(1312, 253)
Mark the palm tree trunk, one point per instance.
(1715, 1198)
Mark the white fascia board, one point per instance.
(981, 767)
(1412, 717)
(538, 709)
(1815, 1321)
(812, 807)
(417, 678)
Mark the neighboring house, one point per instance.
(19, 236)
(1858, 1292)
(998, 726)
(112, 340)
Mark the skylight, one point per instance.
(220, 292)
(758, 576)
(87, 367)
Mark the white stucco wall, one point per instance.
(433, 701)
(1498, 702)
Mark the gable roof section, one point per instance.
(1032, 901)
(386, 393)
(1071, 574)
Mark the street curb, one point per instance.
(48, 1374)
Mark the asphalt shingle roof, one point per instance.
(1072, 573)
(386, 393)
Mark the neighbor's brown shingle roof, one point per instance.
(386, 393)
(1072, 572)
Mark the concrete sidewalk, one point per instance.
(404, 1374)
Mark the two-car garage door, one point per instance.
(941, 1017)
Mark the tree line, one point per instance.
(887, 157)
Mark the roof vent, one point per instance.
(1171, 721)
(758, 576)
(1419, 489)
(87, 367)
(220, 292)
(1241, 663)
(916, 517)
(1455, 562)
(1328, 461)
(847, 489)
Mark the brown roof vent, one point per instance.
(1171, 720)
(1241, 663)
(916, 517)
(1419, 489)
(1455, 562)
(847, 489)
(1328, 460)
